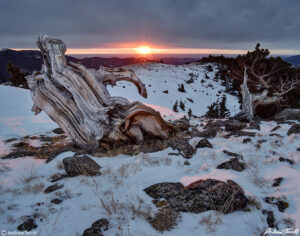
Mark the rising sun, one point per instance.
(143, 50)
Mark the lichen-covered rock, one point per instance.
(295, 129)
(81, 165)
(233, 164)
(232, 154)
(200, 196)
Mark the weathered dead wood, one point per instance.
(77, 99)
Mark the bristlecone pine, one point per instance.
(77, 99)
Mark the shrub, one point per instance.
(218, 109)
(17, 78)
(175, 106)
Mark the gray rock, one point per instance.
(81, 165)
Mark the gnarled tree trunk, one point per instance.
(77, 99)
(251, 101)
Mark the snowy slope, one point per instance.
(123, 178)
(160, 77)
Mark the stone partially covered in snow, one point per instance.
(81, 165)
(200, 196)
(204, 143)
(234, 125)
(295, 129)
(233, 164)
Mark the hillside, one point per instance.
(38, 193)
(294, 60)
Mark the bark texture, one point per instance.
(77, 99)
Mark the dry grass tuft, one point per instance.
(165, 219)
(34, 188)
(211, 221)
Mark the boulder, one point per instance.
(184, 148)
(200, 196)
(81, 165)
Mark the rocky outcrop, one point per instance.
(81, 165)
(200, 196)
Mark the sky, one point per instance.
(187, 26)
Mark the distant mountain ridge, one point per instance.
(294, 60)
(30, 60)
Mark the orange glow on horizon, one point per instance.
(144, 50)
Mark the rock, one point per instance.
(183, 146)
(182, 124)
(173, 154)
(58, 131)
(276, 128)
(295, 129)
(215, 124)
(288, 114)
(56, 177)
(209, 133)
(103, 223)
(92, 232)
(247, 140)
(282, 159)
(274, 134)
(200, 196)
(239, 133)
(298, 149)
(260, 141)
(270, 218)
(232, 154)
(254, 125)
(53, 188)
(234, 125)
(281, 204)
(166, 91)
(233, 164)
(277, 182)
(186, 163)
(56, 201)
(204, 143)
(81, 165)
(27, 225)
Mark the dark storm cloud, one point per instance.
(227, 24)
